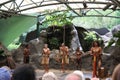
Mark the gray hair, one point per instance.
(73, 76)
(80, 73)
(49, 76)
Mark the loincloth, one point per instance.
(45, 59)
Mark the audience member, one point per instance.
(5, 73)
(116, 73)
(49, 76)
(95, 78)
(73, 76)
(87, 79)
(80, 73)
(24, 72)
(76, 75)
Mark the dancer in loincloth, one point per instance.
(65, 56)
(78, 54)
(26, 54)
(45, 57)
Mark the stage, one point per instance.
(61, 75)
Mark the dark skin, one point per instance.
(96, 52)
(46, 51)
(0, 45)
(26, 53)
(64, 50)
(78, 54)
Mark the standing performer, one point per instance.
(64, 54)
(26, 54)
(96, 52)
(45, 58)
(78, 54)
(1, 46)
(10, 62)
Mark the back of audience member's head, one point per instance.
(76, 75)
(95, 78)
(80, 73)
(5, 74)
(116, 73)
(24, 72)
(73, 76)
(49, 76)
(87, 79)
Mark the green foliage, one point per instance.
(117, 34)
(54, 43)
(113, 40)
(90, 36)
(58, 19)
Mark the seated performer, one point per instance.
(78, 54)
(64, 54)
(26, 53)
(96, 52)
(45, 57)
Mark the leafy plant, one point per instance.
(115, 39)
(54, 43)
(90, 36)
(59, 19)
